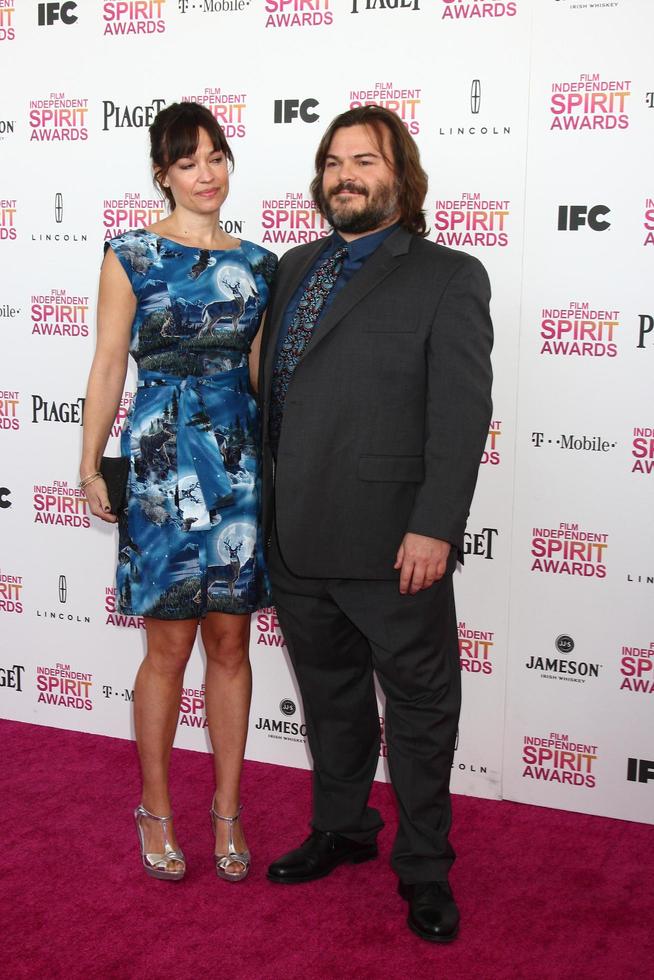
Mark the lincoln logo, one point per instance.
(475, 96)
(59, 208)
(63, 588)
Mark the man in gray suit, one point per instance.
(375, 382)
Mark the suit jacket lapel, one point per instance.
(382, 263)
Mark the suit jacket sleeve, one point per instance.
(458, 409)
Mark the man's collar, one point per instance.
(360, 247)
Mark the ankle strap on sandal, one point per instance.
(153, 816)
(227, 819)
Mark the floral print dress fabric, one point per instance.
(189, 539)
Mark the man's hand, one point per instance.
(422, 561)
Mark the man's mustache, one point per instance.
(348, 185)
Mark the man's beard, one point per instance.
(380, 206)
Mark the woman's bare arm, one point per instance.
(116, 308)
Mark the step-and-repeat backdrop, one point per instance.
(535, 122)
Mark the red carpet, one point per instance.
(543, 894)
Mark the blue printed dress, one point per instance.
(190, 540)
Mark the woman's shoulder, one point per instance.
(261, 260)
(252, 249)
(134, 238)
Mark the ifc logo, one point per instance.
(564, 643)
(287, 707)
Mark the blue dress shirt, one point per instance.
(357, 252)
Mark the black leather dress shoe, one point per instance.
(433, 914)
(318, 856)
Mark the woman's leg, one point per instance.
(157, 693)
(228, 688)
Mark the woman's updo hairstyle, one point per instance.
(175, 134)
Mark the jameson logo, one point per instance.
(558, 759)
(563, 667)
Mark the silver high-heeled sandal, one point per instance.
(233, 856)
(157, 864)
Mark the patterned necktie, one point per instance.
(310, 307)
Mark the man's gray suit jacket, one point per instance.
(387, 413)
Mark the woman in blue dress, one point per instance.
(186, 300)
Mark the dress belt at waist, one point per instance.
(200, 464)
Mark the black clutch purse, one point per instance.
(115, 470)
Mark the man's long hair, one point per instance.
(411, 179)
